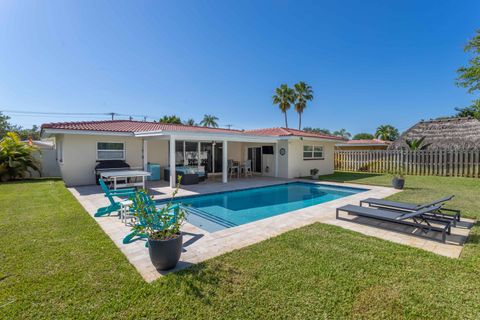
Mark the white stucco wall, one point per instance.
(298, 167)
(79, 156)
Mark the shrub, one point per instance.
(16, 158)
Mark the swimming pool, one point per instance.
(218, 211)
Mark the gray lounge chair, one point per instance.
(418, 219)
(409, 207)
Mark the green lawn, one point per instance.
(57, 263)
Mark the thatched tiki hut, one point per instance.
(452, 133)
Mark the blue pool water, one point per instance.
(218, 211)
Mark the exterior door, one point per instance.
(255, 154)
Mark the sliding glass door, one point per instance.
(209, 156)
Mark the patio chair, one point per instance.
(114, 206)
(233, 167)
(248, 168)
(409, 207)
(419, 219)
(154, 213)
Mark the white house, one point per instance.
(276, 152)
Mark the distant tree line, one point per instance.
(22, 133)
(383, 132)
(207, 121)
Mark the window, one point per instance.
(110, 151)
(312, 153)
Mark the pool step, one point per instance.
(209, 217)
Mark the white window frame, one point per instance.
(315, 148)
(96, 151)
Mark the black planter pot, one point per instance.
(165, 253)
(398, 183)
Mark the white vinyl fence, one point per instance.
(455, 163)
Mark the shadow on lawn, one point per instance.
(349, 176)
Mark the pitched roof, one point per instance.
(130, 126)
(451, 133)
(368, 142)
(283, 132)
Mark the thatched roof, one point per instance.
(452, 133)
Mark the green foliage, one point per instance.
(209, 121)
(469, 76)
(470, 111)
(314, 171)
(284, 97)
(387, 133)
(190, 122)
(363, 136)
(153, 220)
(24, 134)
(173, 119)
(303, 93)
(16, 158)
(342, 133)
(317, 130)
(417, 144)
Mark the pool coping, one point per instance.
(200, 245)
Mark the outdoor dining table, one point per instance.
(124, 175)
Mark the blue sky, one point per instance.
(369, 62)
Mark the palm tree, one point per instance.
(303, 93)
(417, 144)
(342, 133)
(190, 122)
(284, 97)
(386, 133)
(16, 158)
(209, 121)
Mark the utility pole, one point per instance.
(112, 114)
(229, 126)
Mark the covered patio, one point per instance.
(220, 156)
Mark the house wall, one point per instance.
(292, 165)
(157, 152)
(79, 156)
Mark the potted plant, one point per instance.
(314, 173)
(398, 180)
(161, 227)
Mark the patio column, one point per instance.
(173, 178)
(224, 162)
(145, 154)
(276, 160)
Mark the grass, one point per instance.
(57, 263)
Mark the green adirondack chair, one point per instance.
(113, 206)
(154, 213)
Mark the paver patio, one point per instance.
(200, 245)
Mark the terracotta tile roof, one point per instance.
(283, 132)
(368, 141)
(130, 126)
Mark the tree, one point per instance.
(16, 158)
(284, 97)
(4, 125)
(209, 121)
(317, 130)
(471, 111)
(173, 119)
(363, 136)
(303, 93)
(190, 122)
(417, 144)
(342, 133)
(469, 76)
(387, 133)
